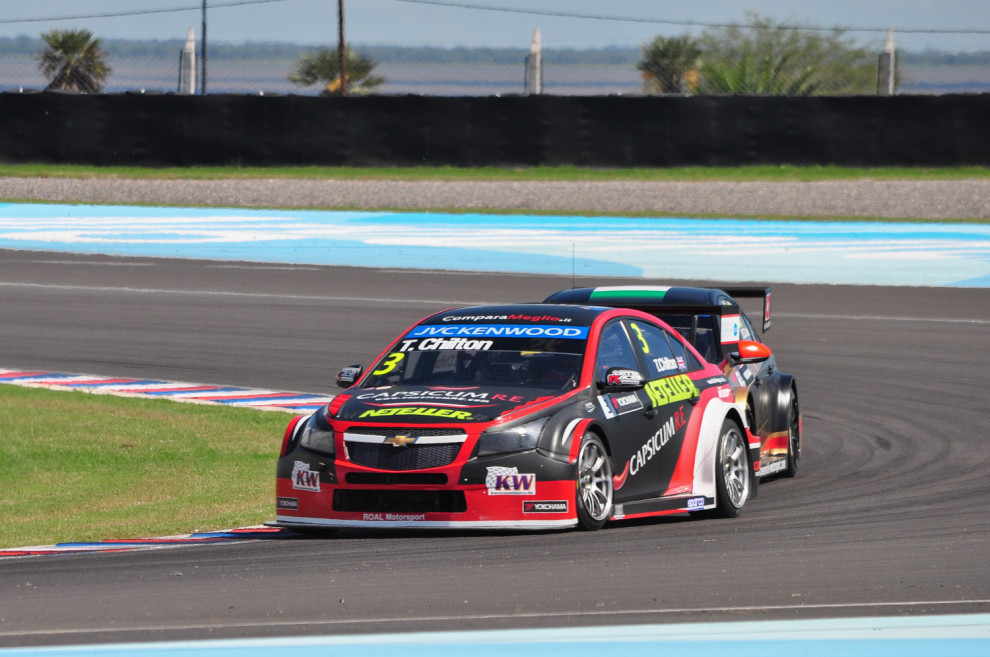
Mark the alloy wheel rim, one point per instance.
(595, 477)
(735, 468)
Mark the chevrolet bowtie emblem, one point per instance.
(400, 441)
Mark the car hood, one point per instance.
(433, 404)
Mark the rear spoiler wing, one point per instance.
(712, 309)
(753, 293)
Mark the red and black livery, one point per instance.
(530, 416)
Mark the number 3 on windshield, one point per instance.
(389, 363)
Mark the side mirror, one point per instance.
(620, 378)
(750, 352)
(349, 376)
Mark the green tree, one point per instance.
(73, 61)
(764, 57)
(669, 65)
(324, 67)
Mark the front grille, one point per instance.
(395, 501)
(396, 478)
(389, 432)
(411, 457)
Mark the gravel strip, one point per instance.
(923, 199)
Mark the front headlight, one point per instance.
(317, 435)
(517, 439)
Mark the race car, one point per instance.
(713, 322)
(530, 416)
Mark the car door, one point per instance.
(627, 417)
(670, 400)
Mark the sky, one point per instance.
(497, 23)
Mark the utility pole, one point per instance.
(202, 55)
(888, 66)
(187, 65)
(534, 67)
(341, 48)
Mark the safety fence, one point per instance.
(183, 130)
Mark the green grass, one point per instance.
(562, 173)
(77, 466)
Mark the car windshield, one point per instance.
(551, 370)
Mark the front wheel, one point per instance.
(594, 483)
(733, 474)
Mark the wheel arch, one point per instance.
(716, 412)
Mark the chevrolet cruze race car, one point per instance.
(527, 416)
(712, 320)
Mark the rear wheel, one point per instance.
(793, 437)
(733, 474)
(594, 483)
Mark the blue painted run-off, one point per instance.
(916, 636)
(856, 253)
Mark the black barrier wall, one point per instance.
(177, 130)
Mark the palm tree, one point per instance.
(669, 65)
(770, 75)
(324, 67)
(73, 61)
(769, 58)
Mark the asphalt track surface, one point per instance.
(887, 517)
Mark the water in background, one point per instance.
(19, 72)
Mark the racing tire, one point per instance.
(594, 483)
(733, 472)
(793, 438)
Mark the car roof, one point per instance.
(535, 313)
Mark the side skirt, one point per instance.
(660, 506)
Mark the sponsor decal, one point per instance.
(508, 481)
(499, 331)
(619, 512)
(626, 403)
(589, 407)
(771, 468)
(717, 381)
(623, 377)
(464, 397)
(607, 409)
(681, 365)
(395, 517)
(664, 364)
(671, 389)
(724, 392)
(435, 344)
(652, 447)
(305, 479)
(506, 318)
(743, 377)
(287, 503)
(696, 503)
(730, 328)
(556, 506)
(447, 413)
